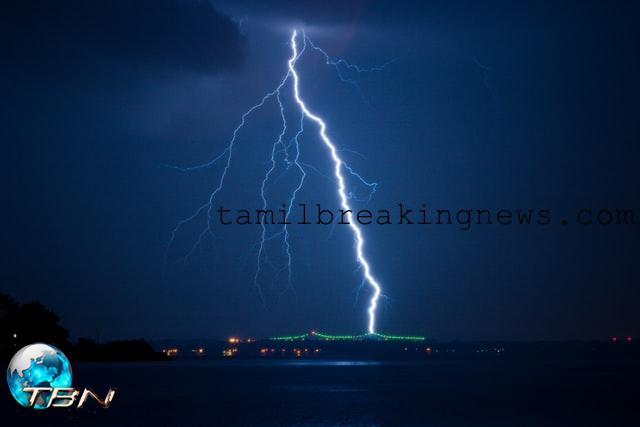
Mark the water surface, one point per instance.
(348, 393)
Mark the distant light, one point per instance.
(614, 339)
(15, 336)
(170, 351)
(234, 340)
(229, 352)
(629, 339)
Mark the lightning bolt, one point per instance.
(340, 64)
(292, 160)
(344, 200)
(228, 152)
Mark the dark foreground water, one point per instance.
(325, 393)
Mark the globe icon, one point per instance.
(37, 365)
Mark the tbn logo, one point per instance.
(65, 397)
(39, 377)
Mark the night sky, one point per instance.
(493, 105)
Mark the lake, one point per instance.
(348, 393)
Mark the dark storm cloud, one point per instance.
(451, 16)
(165, 35)
(378, 14)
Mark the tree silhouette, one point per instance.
(28, 323)
(9, 310)
(23, 324)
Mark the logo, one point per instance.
(39, 377)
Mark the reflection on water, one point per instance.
(324, 363)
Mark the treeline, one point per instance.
(23, 324)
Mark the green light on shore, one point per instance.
(339, 337)
(289, 338)
(361, 337)
(400, 337)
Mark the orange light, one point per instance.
(170, 351)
